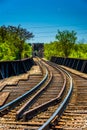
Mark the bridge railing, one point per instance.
(77, 64)
(11, 68)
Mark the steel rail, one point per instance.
(30, 113)
(25, 94)
(62, 106)
(30, 102)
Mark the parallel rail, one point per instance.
(31, 115)
(75, 115)
(61, 108)
(32, 100)
(15, 101)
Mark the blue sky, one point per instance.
(45, 17)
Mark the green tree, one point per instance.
(27, 50)
(52, 49)
(3, 33)
(6, 53)
(14, 39)
(80, 50)
(67, 40)
(18, 37)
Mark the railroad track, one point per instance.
(23, 87)
(75, 115)
(39, 110)
(40, 107)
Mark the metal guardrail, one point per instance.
(12, 68)
(59, 111)
(26, 94)
(77, 64)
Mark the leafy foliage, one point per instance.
(67, 40)
(69, 48)
(52, 49)
(13, 43)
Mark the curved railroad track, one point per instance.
(45, 109)
(22, 90)
(42, 104)
(75, 115)
(23, 87)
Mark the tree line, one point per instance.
(13, 44)
(65, 45)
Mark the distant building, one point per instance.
(38, 49)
